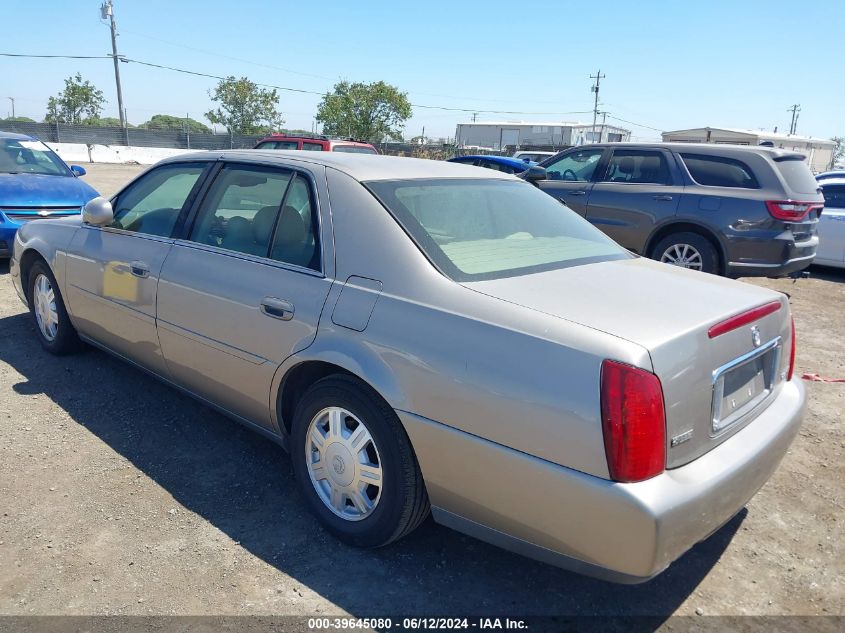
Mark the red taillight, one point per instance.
(791, 350)
(743, 318)
(790, 210)
(633, 422)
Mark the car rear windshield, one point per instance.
(354, 149)
(797, 175)
(477, 229)
(23, 156)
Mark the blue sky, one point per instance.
(668, 65)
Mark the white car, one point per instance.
(831, 251)
(533, 156)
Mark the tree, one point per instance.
(106, 121)
(838, 148)
(244, 107)
(168, 122)
(78, 102)
(368, 112)
(18, 119)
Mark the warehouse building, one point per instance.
(819, 151)
(502, 135)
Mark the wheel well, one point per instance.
(296, 381)
(27, 260)
(687, 227)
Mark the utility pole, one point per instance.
(474, 114)
(107, 11)
(595, 89)
(795, 109)
(12, 99)
(601, 131)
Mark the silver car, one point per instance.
(423, 336)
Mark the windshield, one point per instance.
(474, 230)
(22, 156)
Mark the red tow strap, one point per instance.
(817, 378)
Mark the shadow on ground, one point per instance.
(242, 484)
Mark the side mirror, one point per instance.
(535, 173)
(77, 170)
(97, 212)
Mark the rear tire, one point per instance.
(47, 308)
(687, 250)
(363, 484)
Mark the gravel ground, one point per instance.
(121, 496)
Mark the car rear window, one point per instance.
(716, 171)
(478, 229)
(797, 175)
(834, 196)
(354, 149)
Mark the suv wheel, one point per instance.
(687, 250)
(354, 464)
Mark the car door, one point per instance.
(245, 287)
(112, 272)
(638, 190)
(570, 177)
(832, 226)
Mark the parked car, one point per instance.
(315, 144)
(35, 183)
(533, 156)
(827, 175)
(729, 210)
(424, 334)
(504, 164)
(832, 224)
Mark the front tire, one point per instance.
(354, 464)
(687, 250)
(47, 308)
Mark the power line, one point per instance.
(288, 88)
(648, 127)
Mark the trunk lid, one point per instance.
(669, 311)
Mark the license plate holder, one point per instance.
(741, 385)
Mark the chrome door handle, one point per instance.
(277, 308)
(139, 269)
(663, 197)
(577, 192)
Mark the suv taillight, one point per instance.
(791, 350)
(790, 210)
(633, 422)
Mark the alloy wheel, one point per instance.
(343, 463)
(683, 255)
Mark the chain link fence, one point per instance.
(136, 137)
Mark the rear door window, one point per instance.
(797, 175)
(715, 171)
(314, 147)
(279, 145)
(638, 167)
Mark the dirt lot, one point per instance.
(121, 496)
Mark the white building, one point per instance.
(819, 151)
(499, 135)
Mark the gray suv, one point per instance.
(730, 210)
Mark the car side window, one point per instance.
(241, 208)
(577, 166)
(638, 167)
(314, 147)
(834, 196)
(151, 205)
(296, 238)
(716, 171)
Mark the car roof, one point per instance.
(19, 137)
(839, 180)
(361, 167)
(504, 160)
(314, 139)
(719, 149)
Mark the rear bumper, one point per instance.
(775, 256)
(620, 532)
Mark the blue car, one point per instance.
(506, 164)
(35, 184)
